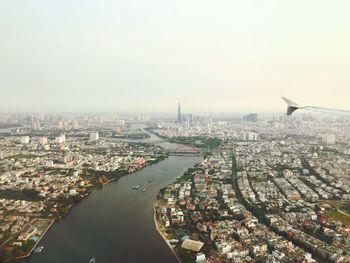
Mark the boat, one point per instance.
(92, 260)
(144, 189)
(136, 186)
(38, 249)
(150, 180)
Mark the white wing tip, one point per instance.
(289, 102)
(292, 106)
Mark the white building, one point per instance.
(248, 136)
(328, 138)
(200, 257)
(72, 192)
(120, 122)
(94, 136)
(25, 139)
(49, 163)
(61, 138)
(252, 136)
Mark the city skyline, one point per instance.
(123, 56)
(175, 131)
(256, 177)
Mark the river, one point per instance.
(115, 223)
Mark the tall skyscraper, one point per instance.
(179, 114)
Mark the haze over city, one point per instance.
(146, 55)
(174, 131)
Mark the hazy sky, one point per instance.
(146, 55)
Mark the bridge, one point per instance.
(185, 149)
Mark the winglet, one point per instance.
(292, 106)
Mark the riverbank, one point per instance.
(170, 231)
(116, 223)
(63, 207)
(99, 183)
(202, 142)
(17, 260)
(161, 231)
(99, 179)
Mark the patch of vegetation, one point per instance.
(135, 136)
(100, 178)
(187, 175)
(345, 206)
(335, 215)
(342, 205)
(185, 255)
(198, 141)
(27, 195)
(158, 159)
(281, 167)
(143, 144)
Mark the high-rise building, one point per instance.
(252, 117)
(328, 138)
(35, 125)
(188, 118)
(248, 136)
(120, 122)
(179, 114)
(252, 136)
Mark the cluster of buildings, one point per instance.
(41, 176)
(206, 204)
(276, 190)
(264, 195)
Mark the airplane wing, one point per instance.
(289, 102)
(292, 106)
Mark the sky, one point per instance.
(137, 55)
